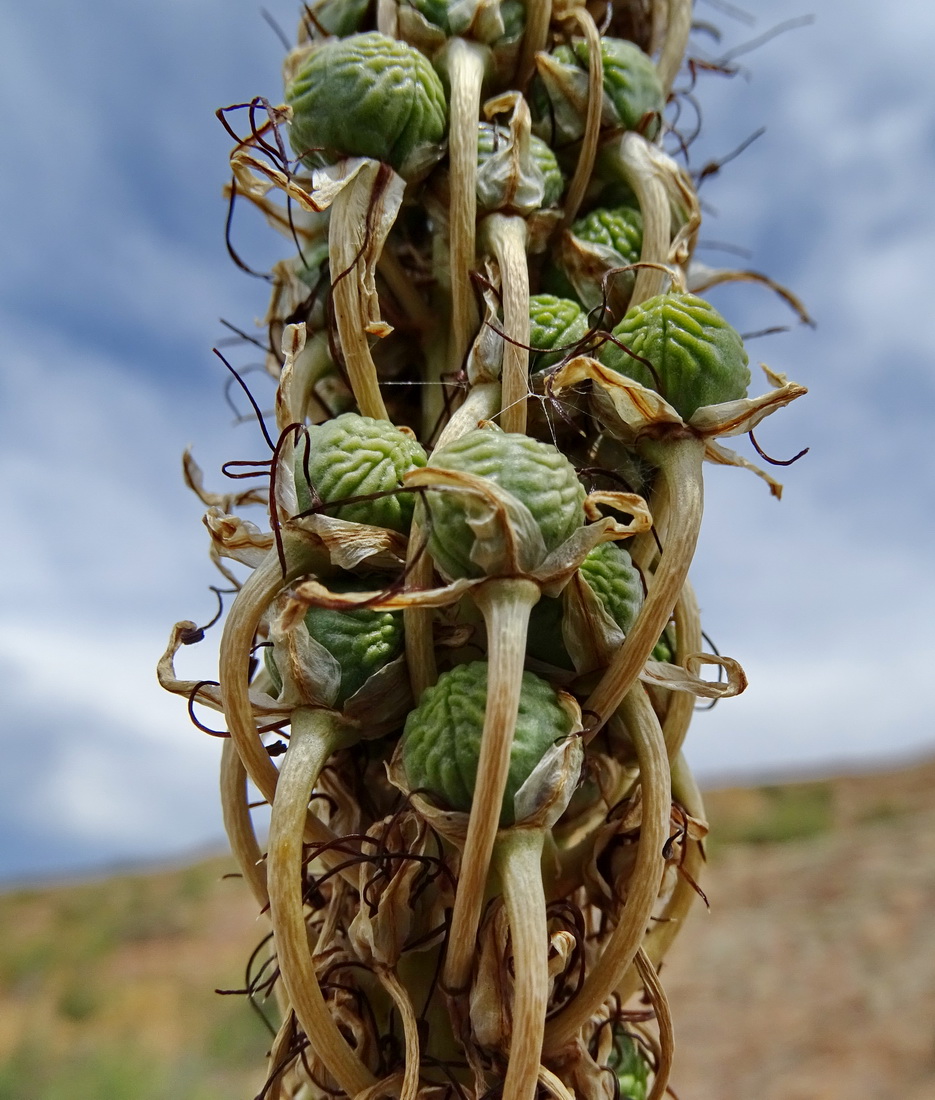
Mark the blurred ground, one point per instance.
(812, 978)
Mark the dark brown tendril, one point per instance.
(276, 29)
(773, 331)
(714, 166)
(190, 637)
(191, 709)
(250, 468)
(776, 461)
(266, 276)
(256, 408)
(245, 336)
(275, 521)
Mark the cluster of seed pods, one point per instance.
(464, 655)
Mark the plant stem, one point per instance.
(465, 62)
(656, 996)
(642, 725)
(679, 462)
(239, 825)
(505, 235)
(672, 919)
(518, 857)
(346, 242)
(505, 604)
(314, 737)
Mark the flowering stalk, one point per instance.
(464, 659)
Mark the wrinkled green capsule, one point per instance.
(631, 83)
(352, 456)
(442, 737)
(611, 575)
(620, 229)
(536, 473)
(633, 95)
(361, 641)
(600, 242)
(697, 358)
(554, 323)
(540, 169)
(370, 96)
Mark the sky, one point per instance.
(113, 280)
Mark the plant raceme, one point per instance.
(462, 653)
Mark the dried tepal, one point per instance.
(462, 653)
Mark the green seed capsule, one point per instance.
(367, 95)
(361, 641)
(541, 168)
(697, 358)
(633, 95)
(536, 473)
(442, 738)
(554, 323)
(631, 83)
(620, 228)
(355, 455)
(610, 573)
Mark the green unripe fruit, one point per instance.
(361, 641)
(490, 139)
(620, 228)
(352, 456)
(633, 96)
(442, 738)
(536, 473)
(614, 579)
(611, 575)
(697, 358)
(370, 96)
(554, 323)
(631, 83)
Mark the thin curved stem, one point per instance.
(688, 639)
(346, 241)
(314, 737)
(506, 236)
(465, 62)
(592, 124)
(239, 825)
(672, 919)
(657, 998)
(641, 174)
(538, 17)
(505, 605)
(518, 857)
(240, 627)
(644, 732)
(679, 462)
(678, 28)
